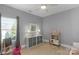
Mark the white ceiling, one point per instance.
(36, 10)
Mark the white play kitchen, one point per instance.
(33, 36)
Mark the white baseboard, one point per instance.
(23, 46)
(67, 46)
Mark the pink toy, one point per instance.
(16, 51)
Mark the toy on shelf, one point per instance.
(55, 38)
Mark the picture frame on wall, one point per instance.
(33, 27)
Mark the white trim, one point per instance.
(67, 46)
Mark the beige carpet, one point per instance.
(45, 49)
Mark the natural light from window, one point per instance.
(8, 27)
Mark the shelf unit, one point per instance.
(55, 38)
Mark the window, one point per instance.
(8, 27)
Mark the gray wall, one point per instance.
(66, 22)
(25, 19)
